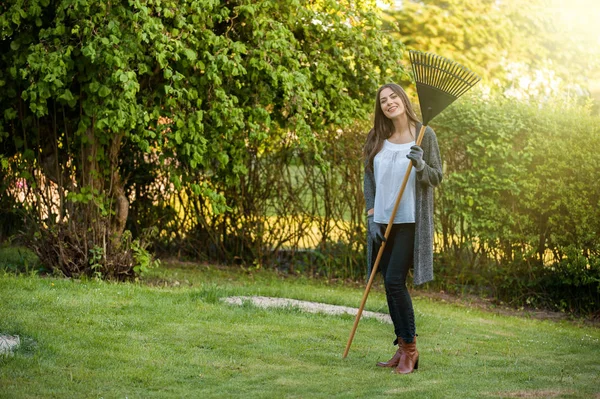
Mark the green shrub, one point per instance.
(19, 259)
(518, 212)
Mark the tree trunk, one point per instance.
(116, 191)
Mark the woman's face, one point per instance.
(391, 104)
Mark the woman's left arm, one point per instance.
(431, 174)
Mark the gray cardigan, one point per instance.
(427, 179)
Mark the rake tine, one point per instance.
(417, 63)
(438, 72)
(455, 84)
(469, 80)
(448, 77)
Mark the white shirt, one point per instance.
(389, 168)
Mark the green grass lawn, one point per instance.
(171, 337)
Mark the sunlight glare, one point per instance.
(581, 16)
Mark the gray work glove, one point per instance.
(376, 230)
(416, 156)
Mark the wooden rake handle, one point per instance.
(380, 253)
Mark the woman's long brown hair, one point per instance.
(383, 127)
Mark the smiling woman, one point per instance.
(400, 233)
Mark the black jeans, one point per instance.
(395, 262)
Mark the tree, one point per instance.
(498, 38)
(96, 93)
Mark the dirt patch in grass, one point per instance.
(8, 344)
(306, 306)
(540, 393)
(491, 305)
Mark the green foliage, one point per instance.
(11, 211)
(520, 189)
(144, 260)
(19, 259)
(473, 33)
(235, 128)
(95, 261)
(288, 212)
(487, 36)
(485, 155)
(186, 91)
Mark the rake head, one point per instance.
(440, 82)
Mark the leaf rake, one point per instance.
(440, 82)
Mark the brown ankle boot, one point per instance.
(393, 362)
(409, 360)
